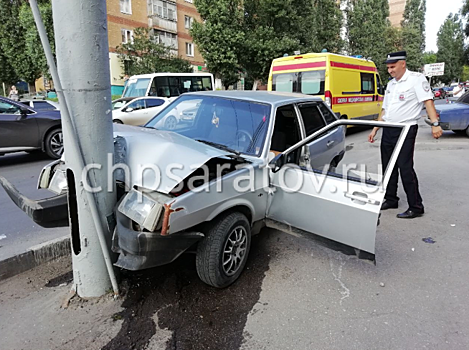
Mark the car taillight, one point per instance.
(328, 98)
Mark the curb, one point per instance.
(35, 256)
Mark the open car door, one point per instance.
(340, 204)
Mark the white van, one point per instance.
(167, 84)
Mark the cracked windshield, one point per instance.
(224, 123)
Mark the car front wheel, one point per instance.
(54, 144)
(223, 253)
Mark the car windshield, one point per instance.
(136, 87)
(223, 123)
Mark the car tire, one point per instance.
(117, 121)
(459, 132)
(53, 144)
(222, 254)
(467, 131)
(170, 123)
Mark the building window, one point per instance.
(126, 6)
(164, 9)
(167, 39)
(127, 36)
(190, 49)
(188, 22)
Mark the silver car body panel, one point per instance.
(339, 209)
(150, 147)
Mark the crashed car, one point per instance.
(231, 170)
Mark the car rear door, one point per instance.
(17, 130)
(343, 208)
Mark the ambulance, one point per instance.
(350, 85)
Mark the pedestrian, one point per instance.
(405, 95)
(14, 94)
(458, 90)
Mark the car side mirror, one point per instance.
(277, 163)
(381, 90)
(129, 109)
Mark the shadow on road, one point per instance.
(199, 316)
(22, 158)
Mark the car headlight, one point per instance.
(58, 183)
(142, 209)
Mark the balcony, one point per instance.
(155, 21)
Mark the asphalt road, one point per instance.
(17, 231)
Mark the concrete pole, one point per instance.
(83, 85)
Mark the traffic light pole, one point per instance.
(82, 82)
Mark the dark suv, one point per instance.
(23, 128)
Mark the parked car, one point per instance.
(235, 165)
(41, 104)
(23, 128)
(449, 90)
(139, 110)
(455, 115)
(121, 102)
(439, 93)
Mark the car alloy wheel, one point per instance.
(54, 145)
(222, 254)
(234, 250)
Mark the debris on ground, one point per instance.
(428, 240)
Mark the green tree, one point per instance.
(219, 37)
(413, 33)
(33, 43)
(13, 42)
(465, 73)
(367, 24)
(271, 29)
(465, 14)
(327, 20)
(145, 55)
(7, 73)
(450, 43)
(429, 57)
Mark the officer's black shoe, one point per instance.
(386, 205)
(409, 214)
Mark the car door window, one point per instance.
(8, 108)
(329, 117)
(136, 105)
(154, 102)
(312, 118)
(286, 129)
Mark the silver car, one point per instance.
(234, 168)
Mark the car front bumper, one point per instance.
(141, 250)
(49, 212)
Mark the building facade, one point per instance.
(170, 21)
(396, 12)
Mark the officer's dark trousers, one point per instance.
(404, 165)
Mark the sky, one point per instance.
(437, 11)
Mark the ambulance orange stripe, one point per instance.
(299, 66)
(352, 66)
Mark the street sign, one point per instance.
(434, 69)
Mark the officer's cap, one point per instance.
(396, 56)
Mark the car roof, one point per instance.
(269, 97)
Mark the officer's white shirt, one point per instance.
(404, 99)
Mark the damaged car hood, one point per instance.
(160, 160)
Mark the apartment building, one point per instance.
(170, 21)
(396, 12)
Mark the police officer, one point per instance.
(403, 102)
